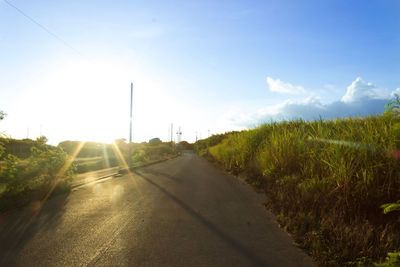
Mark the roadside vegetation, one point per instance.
(89, 156)
(32, 177)
(92, 156)
(326, 181)
(31, 170)
(26, 177)
(153, 151)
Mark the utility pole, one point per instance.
(172, 133)
(178, 135)
(130, 116)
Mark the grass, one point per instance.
(325, 181)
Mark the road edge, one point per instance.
(122, 171)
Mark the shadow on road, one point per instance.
(18, 227)
(157, 173)
(238, 247)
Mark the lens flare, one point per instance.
(122, 161)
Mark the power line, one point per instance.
(42, 27)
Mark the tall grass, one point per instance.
(326, 181)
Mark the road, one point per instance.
(182, 212)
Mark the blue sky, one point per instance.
(203, 65)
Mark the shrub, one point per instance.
(22, 179)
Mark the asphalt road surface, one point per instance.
(182, 212)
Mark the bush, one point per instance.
(35, 176)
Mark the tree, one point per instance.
(155, 141)
(2, 115)
(42, 140)
(393, 107)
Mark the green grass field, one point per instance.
(325, 181)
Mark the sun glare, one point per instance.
(89, 100)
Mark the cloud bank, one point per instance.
(278, 86)
(360, 99)
(359, 90)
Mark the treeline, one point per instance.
(326, 181)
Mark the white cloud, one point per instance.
(278, 86)
(359, 90)
(360, 99)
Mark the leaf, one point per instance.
(389, 207)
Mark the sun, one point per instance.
(90, 101)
